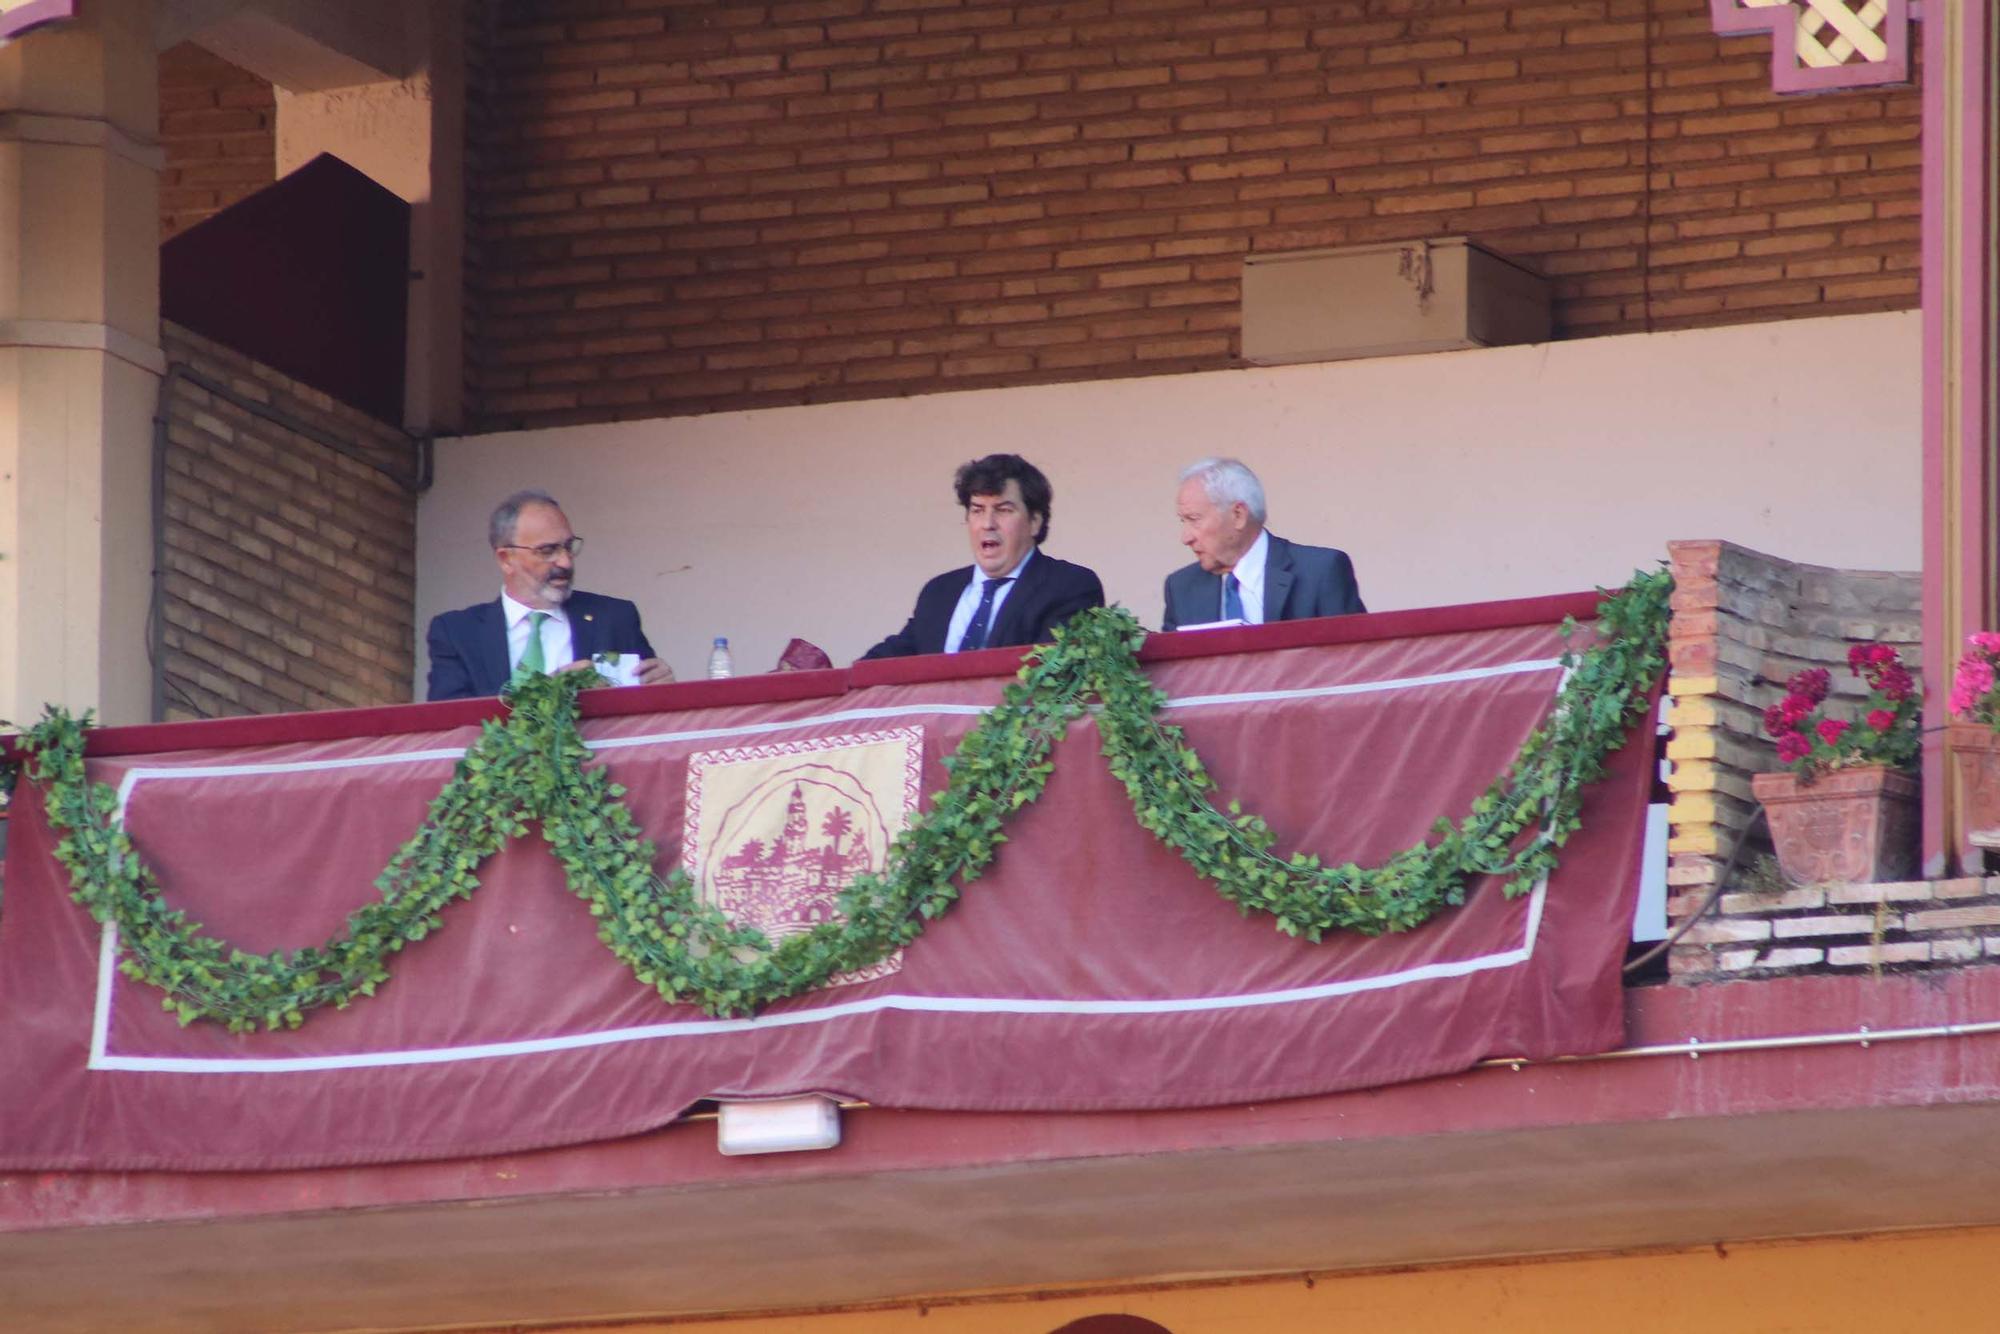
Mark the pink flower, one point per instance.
(1986, 641)
(1970, 684)
(1795, 708)
(1775, 722)
(1792, 748)
(1881, 719)
(1830, 730)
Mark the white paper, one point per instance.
(620, 669)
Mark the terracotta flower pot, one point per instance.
(1850, 826)
(1975, 757)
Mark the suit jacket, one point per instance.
(1050, 592)
(1299, 581)
(468, 647)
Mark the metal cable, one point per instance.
(1714, 893)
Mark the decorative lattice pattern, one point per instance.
(1821, 44)
(1856, 33)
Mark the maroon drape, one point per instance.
(1088, 969)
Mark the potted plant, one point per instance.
(1973, 734)
(1845, 808)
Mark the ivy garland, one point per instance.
(531, 767)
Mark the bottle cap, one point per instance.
(722, 641)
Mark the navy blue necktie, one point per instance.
(975, 633)
(1232, 598)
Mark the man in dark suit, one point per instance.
(1012, 593)
(1241, 570)
(539, 622)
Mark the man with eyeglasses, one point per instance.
(540, 622)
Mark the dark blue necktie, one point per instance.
(1232, 598)
(975, 633)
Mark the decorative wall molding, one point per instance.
(32, 127)
(1820, 45)
(18, 16)
(78, 336)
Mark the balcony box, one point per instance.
(1386, 300)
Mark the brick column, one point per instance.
(1744, 622)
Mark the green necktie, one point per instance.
(531, 656)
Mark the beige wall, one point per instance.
(1449, 478)
(1884, 1285)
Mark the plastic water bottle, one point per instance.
(720, 666)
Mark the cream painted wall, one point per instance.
(381, 129)
(1452, 477)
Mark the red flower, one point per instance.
(1792, 748)
(1830, 730)
(1795, 709)
(1894, 681)
(1775, 722)
(1812, 684)
(1881, 719)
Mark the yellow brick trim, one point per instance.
(1696, 838)
(1692, 776)
(1693, 712)
(1692, 743)
(1691, 808)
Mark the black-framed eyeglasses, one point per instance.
(547, 550)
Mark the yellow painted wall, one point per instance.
(1936, 1282)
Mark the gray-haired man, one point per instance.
(1241, 570)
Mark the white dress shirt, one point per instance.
(558, 649)
(1249, 574)
(968, 603)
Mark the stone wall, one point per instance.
(289, 570)
(1761, 930)
(1743, 623)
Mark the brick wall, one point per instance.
(218, 127)
(1744, 622)
(290, 567)
(680, 208)
(1760, 932)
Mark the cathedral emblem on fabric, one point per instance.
(776, 831)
